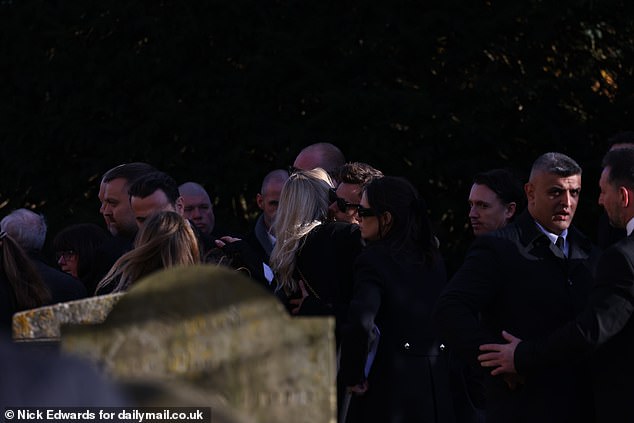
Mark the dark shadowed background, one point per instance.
(221, 92)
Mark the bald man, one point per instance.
(261, 238)
(323, 154)
(197, 206)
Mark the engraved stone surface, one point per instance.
(43, 323)
(220, 332)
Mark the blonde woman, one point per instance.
(312, 258)
(166, 240)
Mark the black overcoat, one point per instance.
(408, 380)
(516, 279)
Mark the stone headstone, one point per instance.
(43, 324)
(221, 333)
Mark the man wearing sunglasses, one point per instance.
(346, 197)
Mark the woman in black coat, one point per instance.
(313, 257)
(397, 279)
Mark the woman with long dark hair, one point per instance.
(76, 252)
(21, 287)
(390, 358)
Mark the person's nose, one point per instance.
(566, 199)
(473, 212)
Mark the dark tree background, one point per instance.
(221, 92)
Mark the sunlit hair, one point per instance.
(166, 240)
(358, 173)
(26, 285)
(303, 206)
(556, 163)
(127, 171)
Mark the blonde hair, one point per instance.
(303, 205)
(166, 240)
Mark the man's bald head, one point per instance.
(323, 154)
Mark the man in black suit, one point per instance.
(606, 326)
(261, 238)
(517, 278)
(117, 213)
(608, 234)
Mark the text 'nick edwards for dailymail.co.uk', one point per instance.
(140, 415)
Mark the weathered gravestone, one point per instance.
(221, 333)
(43, 324)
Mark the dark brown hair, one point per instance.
(27, 286)
(411, 228)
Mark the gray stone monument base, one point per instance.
(222, 334)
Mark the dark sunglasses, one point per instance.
(342, 204)
(366, 212)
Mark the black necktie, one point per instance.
(560, 243)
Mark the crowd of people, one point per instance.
(535, 325)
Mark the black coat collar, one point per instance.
(531, 237)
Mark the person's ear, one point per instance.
(529, 189)
(511, 208)
(259, 199)
(386, 221)
(625, 197)
(180, 208)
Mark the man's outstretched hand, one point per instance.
(500, 356)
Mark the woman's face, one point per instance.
(368, 222)
(68, 261)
